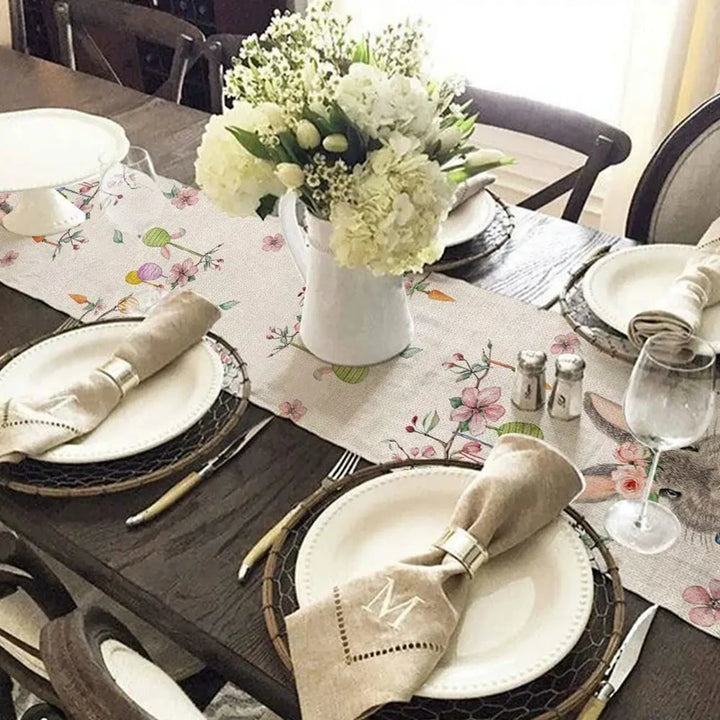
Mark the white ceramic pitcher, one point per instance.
(349, 316)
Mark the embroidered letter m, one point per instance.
(383, 604)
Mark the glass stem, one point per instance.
(642, 521)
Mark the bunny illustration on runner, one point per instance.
(687, 481)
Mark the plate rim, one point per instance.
(113, 128)
(214, 389)
(598, 307)
(477, 689)
(492, 204)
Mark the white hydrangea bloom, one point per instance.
(234, 179)
(390, 224)
(381, 104)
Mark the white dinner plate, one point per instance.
(468, 220)
(156, 411)
(50, 147)
(629, 281)
(526, 610)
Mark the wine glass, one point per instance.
(131, 197)
(669, 404)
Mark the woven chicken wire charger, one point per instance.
(201, 441)
(555, 695)
(496, 234)
(587, 324)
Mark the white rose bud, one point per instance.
(483, 157)
(307, 135)
(290, 175)
(450, 137)
(335, 143)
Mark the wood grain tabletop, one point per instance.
(179, 572)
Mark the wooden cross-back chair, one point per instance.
(18, 31)
(220, 50)
(601, 143)
(76, 18)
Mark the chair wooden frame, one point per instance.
(220, 50)
(661, 165)
(18, 31)
(603, 144)
(74, 17)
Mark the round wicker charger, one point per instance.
(494, 236)
(554, 695)
(204, 439)
(589, 326)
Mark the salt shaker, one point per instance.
(529, 388)
(566, 396)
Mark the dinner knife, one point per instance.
(193, 478)
(621, 666)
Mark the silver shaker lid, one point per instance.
(531, 362)
(569, 366)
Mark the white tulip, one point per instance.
(307, 135)
(290, 175)
(336, 143)
(478, 158)
(450, 137)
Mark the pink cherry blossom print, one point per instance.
(181, 273)
(706, 612)
(273, 243)
(293, 410)
(629, 481)
(9, 258)
(186, 196)
(428, 451)
(568, 343)
(478, 406)
(632, 453)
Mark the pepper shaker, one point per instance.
(566, 395)
(529, 387)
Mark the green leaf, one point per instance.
(338, 119)
(522, 428)
(291, 147)
(117, 236)
(361, 54)
(430, 421)
(456, 402)
(487, 166)
(318, 121)
(409, 352)
(228, 304)
(266, 206)
(459, 175)
(464, 426)
(463, 376)
(654, 497)
(252, 143)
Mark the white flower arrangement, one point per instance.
(354, 126)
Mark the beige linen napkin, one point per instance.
(471, 187)
(33, 424)
(376, 639)
(698, 287)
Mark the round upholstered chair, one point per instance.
(31, 595)
(100, 671)
(678, 195)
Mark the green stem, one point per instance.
(188, 250)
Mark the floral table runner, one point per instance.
(448, 394)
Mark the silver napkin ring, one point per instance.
(121, 373)
(461, 545)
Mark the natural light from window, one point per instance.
(572, 53)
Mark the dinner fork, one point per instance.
(343, 467)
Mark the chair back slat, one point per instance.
(75, 20)
(220, 50)
(601, 143)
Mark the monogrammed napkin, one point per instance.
(377, 638)
(33, 424)
(695, 289)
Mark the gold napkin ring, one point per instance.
(121, 373)
(461, 545)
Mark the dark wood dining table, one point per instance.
(180, 572)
